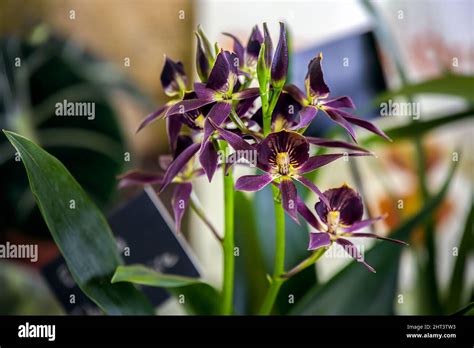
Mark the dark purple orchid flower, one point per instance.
(286, 116)
(340, 214)
(182, 179)
(284, 157)
(219, 91)
(248, 56)
(315, 99)
(173, 80)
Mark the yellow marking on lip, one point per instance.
(283, 163)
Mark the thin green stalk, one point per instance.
(228, 243)
(279, 265)
(315, 256)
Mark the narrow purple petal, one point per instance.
(288, 196)
(335, 143)
(372, 235)
(352, 250)
(233, 139)
(246, 94)
(334, 114)
(358, 225)
(218, 114)
(364, 124)
(178, 164)
(208, 158)
(318, 161)
(253, 45)
(253, 182)
(307, 114)
(237, 48)
(315, 79)
(312, 187)
(307, 214)
(340, 102)
(221, 74)
(296, 93)
(153, 116)
(180, 202)
(136, 177)
(187, 105)
(173, 79)
(204, 93)
(318, 240)
(173, 126)
(280, 60)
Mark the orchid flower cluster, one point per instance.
(243, 101)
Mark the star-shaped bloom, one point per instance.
(340, 217)
(315, 99)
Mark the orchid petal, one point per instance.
(288, 196)
(135, 177)
(218, 115)
(180, 201)
(173, 126)
(318, 240)
(363, 123)
(253, 182)
(372, 235)
(307, 214)
(340, 102)
(312, 187)
(237, 48)
(352, 250)
(334, 114)
(315, 84)
(187, 105)
(307, 114)
(153, 116)
(358, 225)
(178, 164)
(208, 158)
(173, 79)
(335, 143)
(246, 94)
(296, 93)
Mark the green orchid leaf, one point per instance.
(196, 296)
(449, 84)
(79, 229)
(466, 247)
(417, 129)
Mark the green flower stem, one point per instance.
(279, 266)
(267, 121)
(228, 243)
(305, 263)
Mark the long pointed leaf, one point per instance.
(79, 230)
(196, 296)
